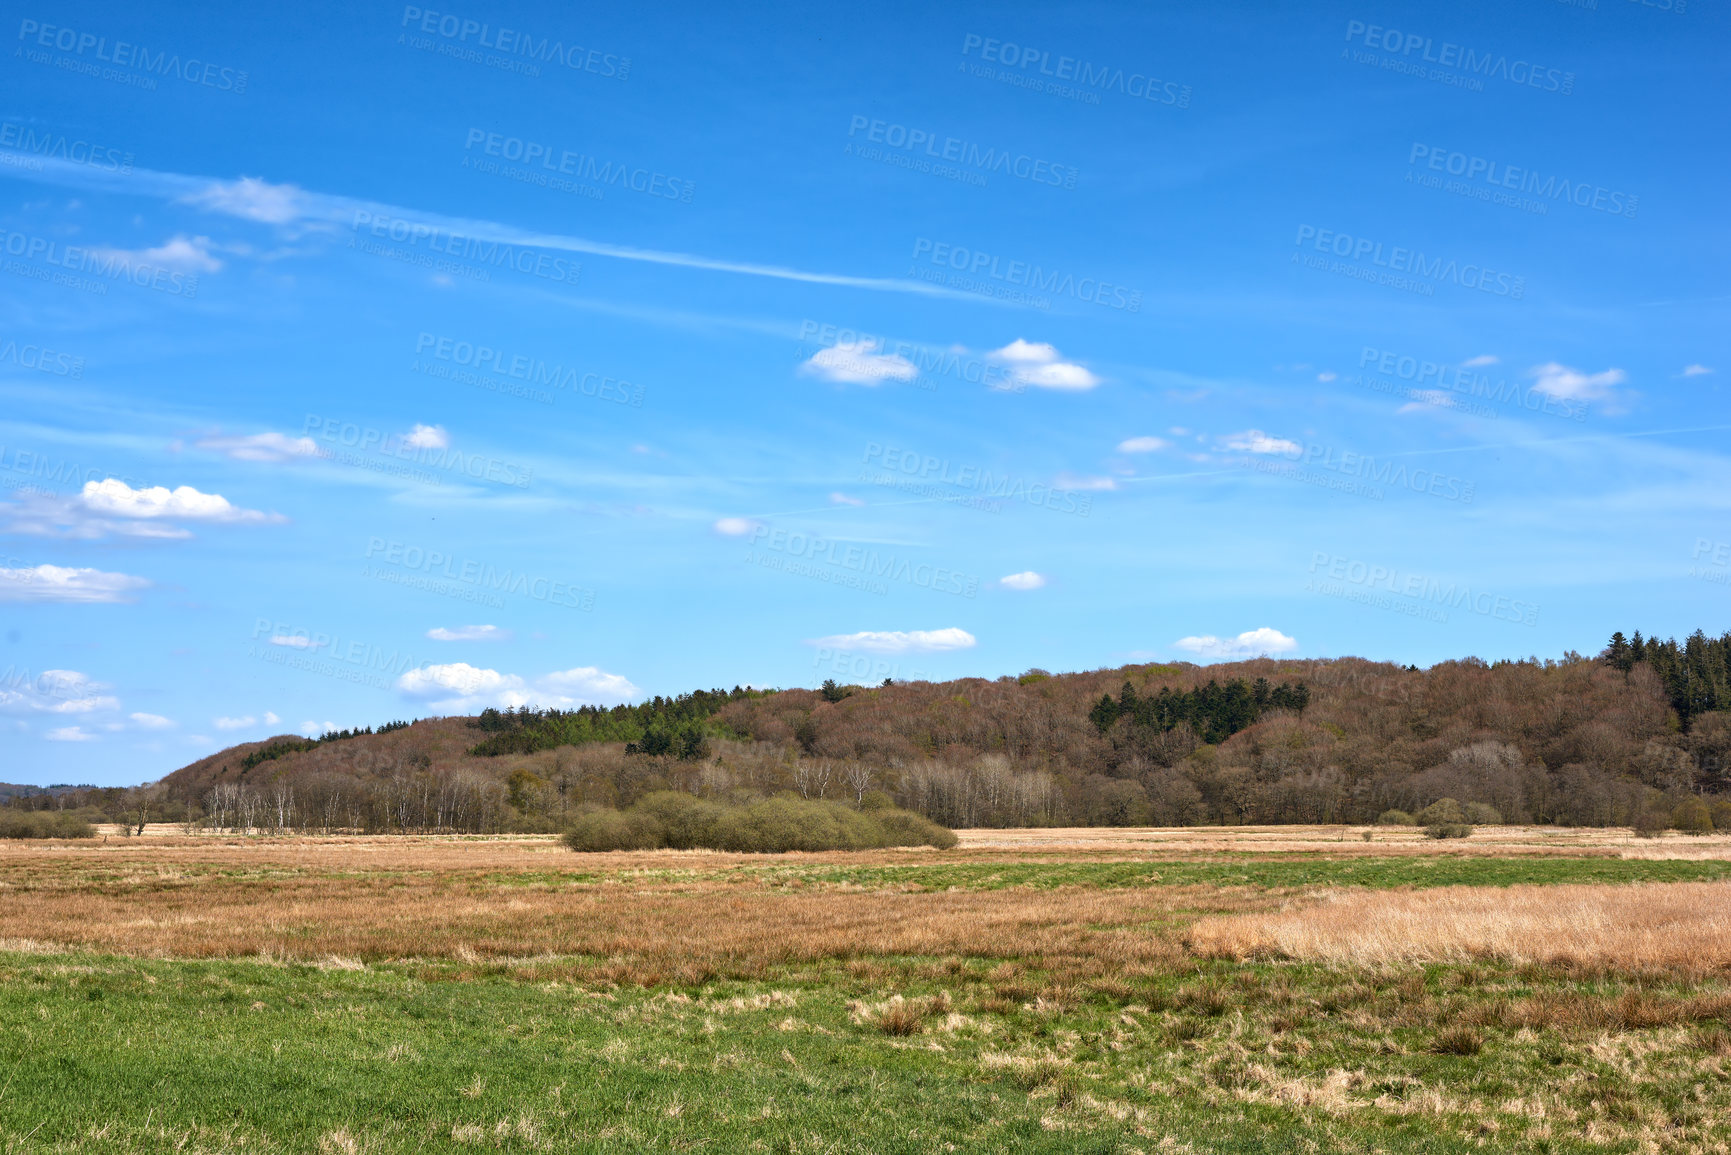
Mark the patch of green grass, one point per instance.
(104, 1054)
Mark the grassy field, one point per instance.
(1043, 991)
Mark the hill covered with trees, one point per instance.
(1630, 734)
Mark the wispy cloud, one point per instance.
(271, 447)
(460, 687)
(1568, 384)
(1026, 580)
(469, 634)
(46, 584)
(899, 641)
(112, 507)
(859, 364)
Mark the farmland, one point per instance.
(1254, 989)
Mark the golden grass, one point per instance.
(1678, 926)
(335, 901)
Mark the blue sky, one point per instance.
(365, 362)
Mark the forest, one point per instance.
(1628, 737)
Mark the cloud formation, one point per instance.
(899, 641)
(270, 447)
(859, 364)
(1142, 444)
(458, 687)
(1026, 580)
(1249, 644)
(48, 584)
(54, 692)
(469, 634)
(1256, 441)
(1041, 366)
(1568, 384)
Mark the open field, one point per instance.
(1267, 989)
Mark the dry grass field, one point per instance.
(1259, 989)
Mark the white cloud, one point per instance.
(151, 721)
(1142, 444)
(1696, 370)
(271, 447)
(69, 734)
(462, 687)
(1568, 384)
(251, 198)
(180, 252)
(118, 499)
(1256, 441)
(270, 719)
(1041, 366)
(1074, 483)
(1325, 376)
(67, 586)
(428, 437)
(1428, 401)
(735, 526)
(313, 729)
(899, 641)
(844, 499)
(1026, 580)
(589, 686)
(1481, 360)
(234, 723)
(469, 634)
(54, 692)
(295, 641)
(1249, 644)
(859, 364)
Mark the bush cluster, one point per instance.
(44, 824)
(773, 825)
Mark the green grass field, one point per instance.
(102, 1052)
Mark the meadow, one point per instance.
(1206, 990)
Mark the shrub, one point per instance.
(1447, 830)
(1442, 811)
(613, 830)
(1720, 811)
(44, 824)
(1482, 814)
(1395, 818)
(773, 825)
(1649, 823)
(1692, 816)
(906, 828)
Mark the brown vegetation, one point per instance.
(642, 917)
(1680, 926)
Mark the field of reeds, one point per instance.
(1112, 991)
